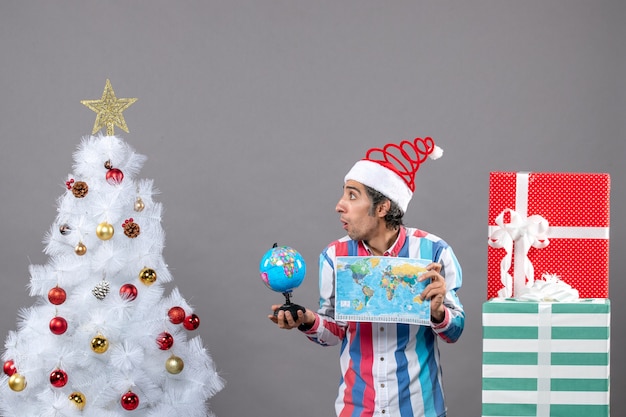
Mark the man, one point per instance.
(388, 369)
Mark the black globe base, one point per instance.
(292, 308)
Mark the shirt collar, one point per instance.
(394, 250)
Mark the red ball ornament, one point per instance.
(165, 341)
(58, 325)
(57, 296)
(130, 401)
(9, 367)
(128, 292)
(58, 378)
(191, 322)
(114, 176)
(176, 315)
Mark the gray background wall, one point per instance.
(251, 112)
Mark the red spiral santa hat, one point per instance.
(391, 169)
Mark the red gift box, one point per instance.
(555, 223)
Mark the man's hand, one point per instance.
(435, 291)
(285, 320)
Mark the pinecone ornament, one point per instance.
(131, 229)
(101, 290)
(80, 189)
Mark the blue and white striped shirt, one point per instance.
(389, 369)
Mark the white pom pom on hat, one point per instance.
(391, 170)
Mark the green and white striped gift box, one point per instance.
(546, 359)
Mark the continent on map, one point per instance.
(368, 292)
(362, 268)
(400, 275)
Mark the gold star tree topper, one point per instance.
(109, 110)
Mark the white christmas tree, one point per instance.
(103, 339)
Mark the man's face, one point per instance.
(354, 208)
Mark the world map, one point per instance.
(381, 289)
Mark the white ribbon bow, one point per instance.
(525, 232)
(549, 288)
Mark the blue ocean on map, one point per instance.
(381, 289)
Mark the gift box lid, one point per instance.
(563, 199)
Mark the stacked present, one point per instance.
(546, 326)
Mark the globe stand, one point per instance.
(289, 306)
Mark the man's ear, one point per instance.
(383, 208)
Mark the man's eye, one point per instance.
(352, 196)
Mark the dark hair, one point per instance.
(393, 218)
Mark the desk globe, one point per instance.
(282, 269)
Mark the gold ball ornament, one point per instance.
(17, 382)
(105, 231)
(139, 204)
(148, 276)
(99, 344)
(78, 398)
(80, 249)
(174, 365)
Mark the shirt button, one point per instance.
(382, 385)
(382, 329)
(383, 411)
(382, 359)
